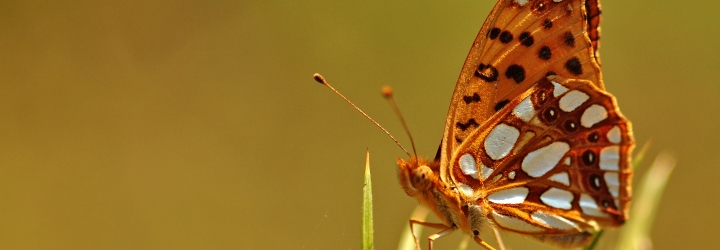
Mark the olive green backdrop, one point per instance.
(197, 125)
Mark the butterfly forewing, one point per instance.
(592, 8)
(520, 43)
(554, 161)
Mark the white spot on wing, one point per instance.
(610, 158)
(501, 140)
(568, 160)
(614, 135)
(514, 195)
(515, 223)
(465, 189)
(497, 177)
(540, 161)
(554, 221)
(511, 175)
(563, 178)
(590, 207)
(521, 2)
(486, 171)
(593, 115)
(524, 110)
(557, 198)
(613, 183)
(572, 100)
(467, 165)
(559, 89)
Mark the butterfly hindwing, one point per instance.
(561, 148)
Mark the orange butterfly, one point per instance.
(532, 143)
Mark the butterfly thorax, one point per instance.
(421, 179)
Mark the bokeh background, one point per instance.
(197, 125)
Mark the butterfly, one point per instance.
(533, 144)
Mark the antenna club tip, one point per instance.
(387, 91)
(319, 78)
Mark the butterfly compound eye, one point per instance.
(422, 178)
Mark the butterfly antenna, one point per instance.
(388, 93)
(319, 78)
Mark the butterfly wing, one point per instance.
(555, 162)
(520, 43)
(592, 7)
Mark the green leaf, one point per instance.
(367, 230)
(636, 232)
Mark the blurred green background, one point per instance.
(188, 125)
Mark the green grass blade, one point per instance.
(464, 243)
(595, 241)
(636, 233)
(367, 226)
(639, 156)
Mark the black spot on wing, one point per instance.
(569, 39)
(469, 99)
(516, 72)
(494, 33)
(506, 37)
(574, 66)
(589, 157)
(465, 126)
(570, 125)
(595, 182)
(547, 24)
(526, 39)
(545, 53)
(490, 76)
(501, 104)
(550, 115)
(593, 137)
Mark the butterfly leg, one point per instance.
(436, 236)
(498, 238)
(430, 225)
(483, 243)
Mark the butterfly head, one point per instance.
(420, 179)
(417, 175)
